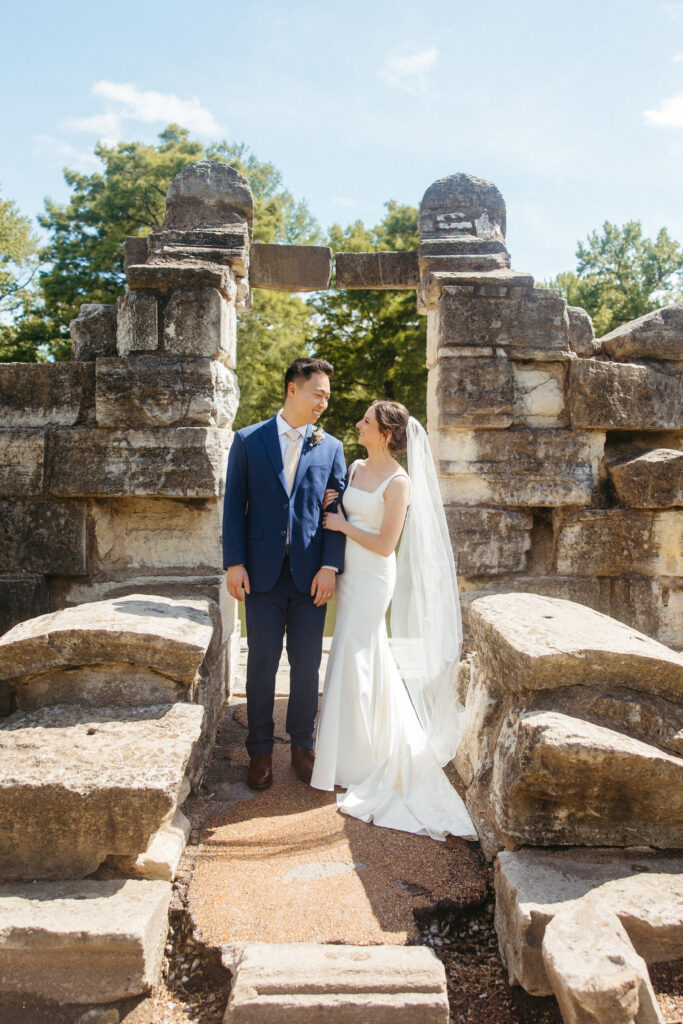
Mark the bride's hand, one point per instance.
(334, 521)
(329, 497)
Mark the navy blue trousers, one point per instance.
(269, 615)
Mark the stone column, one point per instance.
(152, 467)
(498, 352)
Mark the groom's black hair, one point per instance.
(305, 368)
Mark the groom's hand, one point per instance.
(236, 578)
(322, 587)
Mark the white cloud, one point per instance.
(669, 113)
(678, 59)
(409, 70)
(79, 160)
(675, 11)
(125, 102)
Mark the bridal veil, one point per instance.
(426, 625)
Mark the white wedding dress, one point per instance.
(369, 739)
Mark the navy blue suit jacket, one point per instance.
(258, 510)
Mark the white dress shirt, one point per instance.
(282, 428)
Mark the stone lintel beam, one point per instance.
(395, 270)
(290, 268)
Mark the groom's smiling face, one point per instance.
(307, 399)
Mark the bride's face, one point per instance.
(369, 434)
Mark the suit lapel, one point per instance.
(304, 460)
(271, 442)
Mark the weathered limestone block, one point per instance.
(484, 711)
(208, 194)
(347, 984)
(532, 886)
(518, 466)
(21, 597)
(645, 717)
(140, 533)
(46, 394)
(595, 593)
(82, 942)
(44, 537)
(165, 462)
(227, 246)
(651, 605)
(168, 636)
(581, 333)
(137, 325)
(470, 392)
(290, 268)
(541, 643)
(596, 975)
(462, 204)
(164, 276)
(653, 479)
(93, 332)
(135, 250)
(397, 270)
(200, 322)
(610, 542)
(162, 857)
(496, 282)
(539, 394)
(22, 455)
(657, 335)
(533, 327)
(80, 784)
(558, 780)
(164, 391)
(613, 396)
(488, 541)
(111, 685)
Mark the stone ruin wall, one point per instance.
(112, 466)
(559, 455)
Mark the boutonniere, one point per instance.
(315, 437)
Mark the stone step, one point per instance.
(82, 942)
(560, 780)
(532, 886)
(80, 784)
(540, 643)
(135, 649)
(597, 976)
(302, 982)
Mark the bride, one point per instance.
(383, 735)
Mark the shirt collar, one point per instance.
(283, 426)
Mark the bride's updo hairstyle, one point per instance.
(392, 418)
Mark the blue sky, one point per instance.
(574, 110)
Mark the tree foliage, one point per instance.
(375, 339)
(18, 267)
(621, 275)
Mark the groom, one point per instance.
(276, 551)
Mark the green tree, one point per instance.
(18, 268)
(375, 339)
(621, 275)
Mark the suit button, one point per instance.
(283, 533)
(285, 506)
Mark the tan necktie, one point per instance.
(291, 457)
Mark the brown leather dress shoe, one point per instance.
(302, 762)
(260, 774)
